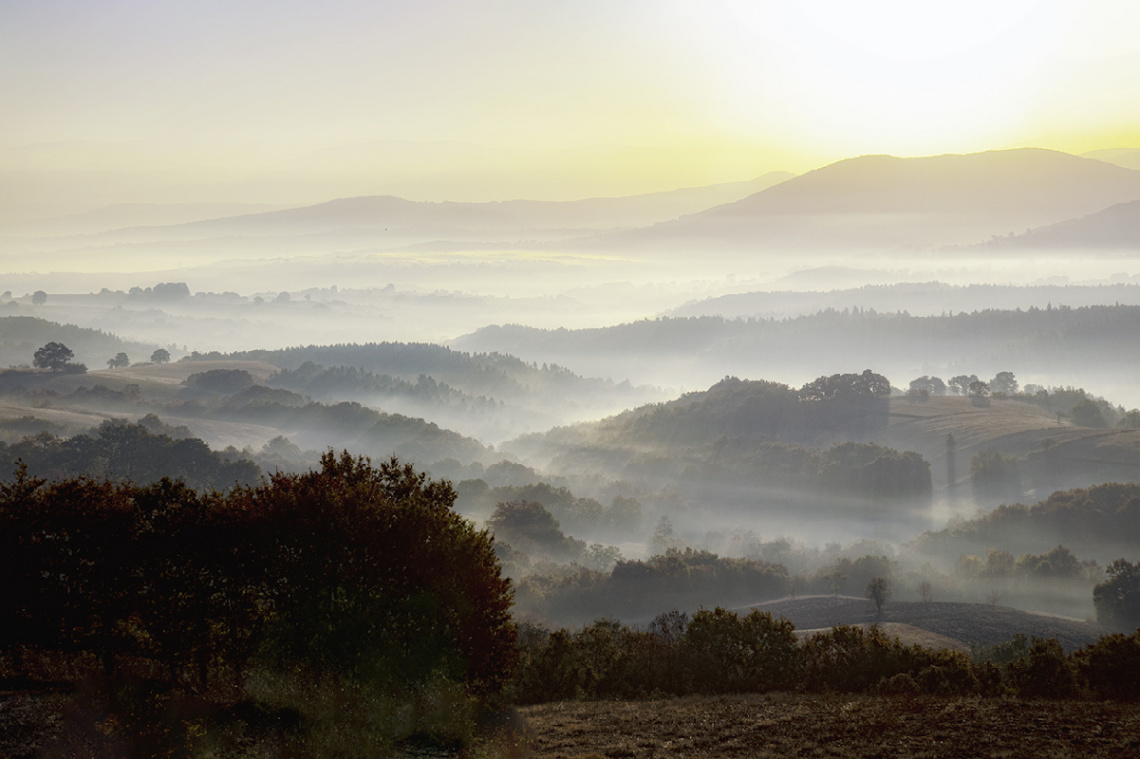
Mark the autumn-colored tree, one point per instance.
(374, 575)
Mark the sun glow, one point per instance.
(889, 76)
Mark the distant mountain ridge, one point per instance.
(390, 213)
(876, 201)
(1116, 227)
(917, 298)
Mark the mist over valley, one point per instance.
(645, 397)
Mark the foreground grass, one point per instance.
(832, 726)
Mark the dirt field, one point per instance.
(812, 726)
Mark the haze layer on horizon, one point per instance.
(124, 101)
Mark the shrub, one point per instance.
(724, 652)
(1044, 671)
(1110, 666)
(901, 684)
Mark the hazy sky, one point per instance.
(225, 100)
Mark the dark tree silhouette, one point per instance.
(1117, 599)
(53, 356)
(160, 356)
(879, 591)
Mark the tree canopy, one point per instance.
(1117, 599)
(363, 572)
(53, 356)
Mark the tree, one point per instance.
(931, 385)
(978, 389)
(375, 577)
(879, 591)
(119, 361)
(160, 356)
(1117, 599)
(961, 384)
(39, 297)
(53, 356)
(529, 527)
(847, 387)
(1086, 413)
(1004, 383)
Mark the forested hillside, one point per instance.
(738, 439)
(1089, 347)
(1100, 522)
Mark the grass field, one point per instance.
(832, 726)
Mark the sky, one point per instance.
(282, 101)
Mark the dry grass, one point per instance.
(908, 635)
(1013, 427)
(832, 726)
(174, 373)
(933, 624)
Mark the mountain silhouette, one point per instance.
(877, 201)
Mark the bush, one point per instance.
(1110, 666)
(726, 653)
(901, 684)
(1044, 672)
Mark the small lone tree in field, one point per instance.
(160, 356)
(119, 361)
(53, 356)
(879, 591)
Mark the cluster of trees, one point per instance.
(844, 472)
(124, 451)
(1097, 520)
(685, 577)
(57, 357)
(1002, 384)
(1117, 599)
(161, 291)
(759, 409)
(351, 383)
(356, 571)
(757, 434)
(479, 374)
(1058, 563)
(586, 517)
(319, 424)
(847, 576)
(1082, 409)
(719, 651)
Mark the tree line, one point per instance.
(717, 651)
(119, 450)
